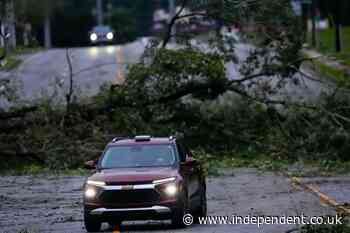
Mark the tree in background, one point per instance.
(8, 31)
(165, 77)
(72, 23)
(125, 25)
(338, 13)
(38, 13)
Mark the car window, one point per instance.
(138, 156)
(102, 29)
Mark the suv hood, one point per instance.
(133, 175)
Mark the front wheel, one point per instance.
(202, 209)
(91, 223)
(180, 212)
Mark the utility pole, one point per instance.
(172, 13)
(313, 20)
(47, 30)
(305, 17)
(99, 12)
(337, 19)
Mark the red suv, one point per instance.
(144, 178)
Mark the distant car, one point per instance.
(102, 34)
(144, 178)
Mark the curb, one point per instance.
(324, 198)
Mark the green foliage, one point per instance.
(341, 77)
(27, 50)
(10, 63)
(124, 23)
(327, 40)
(215, 165)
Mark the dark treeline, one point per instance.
(72, 22)
(341, 8)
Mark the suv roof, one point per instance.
(144, 139)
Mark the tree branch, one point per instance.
(172, 23)
(70, 91)
(250, 77)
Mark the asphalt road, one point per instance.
(44, 72)
(302, 89)
(54, 204)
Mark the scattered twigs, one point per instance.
(70, 93)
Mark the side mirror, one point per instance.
(190, 161)
(90, 165)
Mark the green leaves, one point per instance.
(177, 73)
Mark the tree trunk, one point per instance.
(47, 28)
(337, 18)
(313, 13)
(305, 17)
(10, 24)
(2, 31)
(27, 34)
(99, 12)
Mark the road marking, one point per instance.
(324, 198)
(120, 61)
(116, 229)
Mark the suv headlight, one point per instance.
(171, 189)
(168, 185)
(90, 193)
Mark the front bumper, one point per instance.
(141, 202)
(144, 213)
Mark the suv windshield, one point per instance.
(138, 156)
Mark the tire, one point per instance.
(179, 212)
(91, 223)
(202, 209)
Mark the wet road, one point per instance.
(54, 204)
(42, 73)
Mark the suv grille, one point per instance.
(129, 196)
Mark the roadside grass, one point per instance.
(341, 77)
(10, 63)
(326, 44)
(218, 165)
(27, 50)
